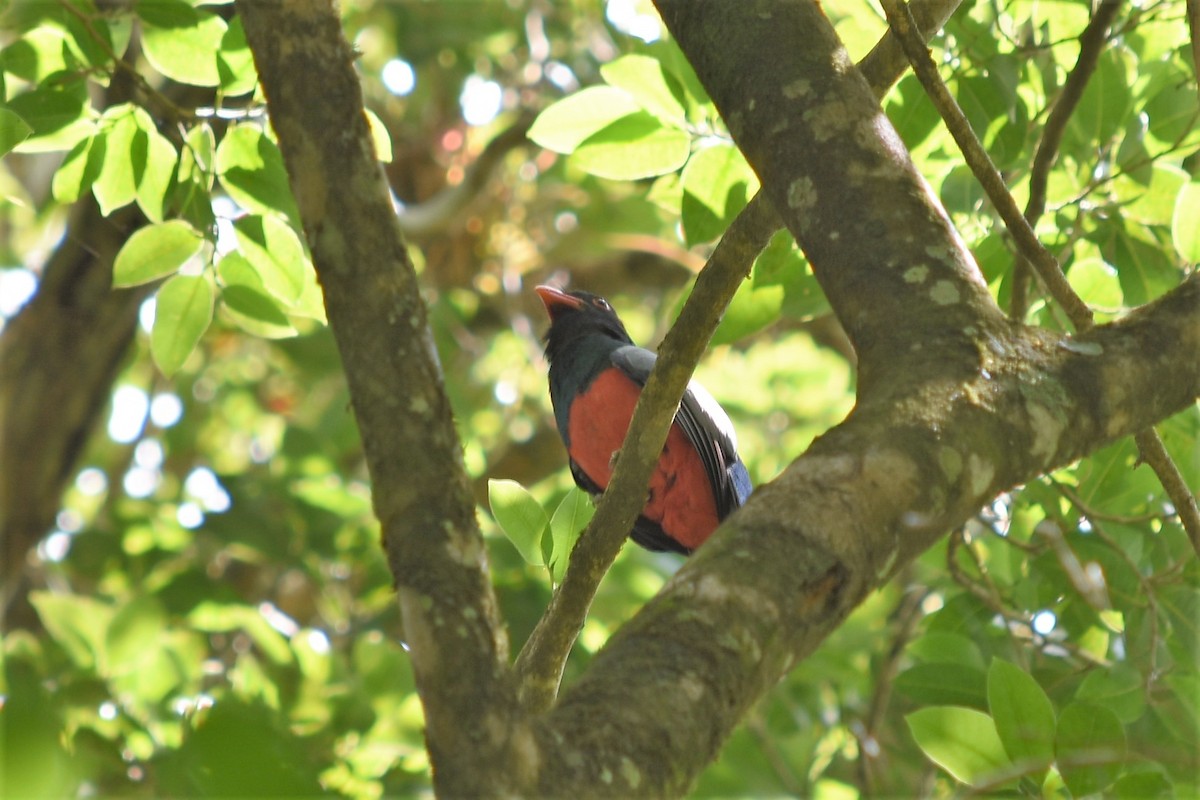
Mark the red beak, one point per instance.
(555, 299)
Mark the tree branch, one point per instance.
(1091, 43)
(1020, 227)
(981, 165)
(420, 490)
(541, 661)
(921, 452)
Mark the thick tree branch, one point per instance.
(1031, 250)
(420, 490)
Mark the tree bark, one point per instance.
(956, 404)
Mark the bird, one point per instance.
(596, 376)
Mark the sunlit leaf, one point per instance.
(251, 170)
(1185, 223)
(183, 311)
(1023, 714)
(651, 87)
(181, 41)
(13, 130)
(634, 147)
(520, 517)
(717, 184)
(154, 251)
(962, 741)
(569, 520)
(564, 125)
(273, 248)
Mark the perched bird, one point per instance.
(596, 375)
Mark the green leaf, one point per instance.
(79, 170)
(183, 311)
(1023, 713)
(251, 170)
(752, 309)
(1104, 106)
(1096, 282)
(379, 137)
(520, 516)
(1117, 688)
(37, 55)
(962, 741)
(1185, 223)
(1144, 268)
(1089, 747)
(652, 88)
(76, 623)
(58, 115)
(116, 185)
(182, 42)
(1153, 202)
(570, 518)
(275, 251)
(155, 251)
(154, 178)
(633, 147)
(196, 158)
(946, 648)
(717, 184)
(256, 312)
(13, 130)
(944, 684)
(235, 64)
(564, 125)
(132, 638)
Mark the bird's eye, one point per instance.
(601, 304)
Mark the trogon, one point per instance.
(596, 375)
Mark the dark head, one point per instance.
(577, 316)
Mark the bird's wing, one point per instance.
(706, 426)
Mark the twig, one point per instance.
(885, 63)
(903, 24)
(1091, 43)
(1155, 454)
(1145, 583)
(177, 114)
(430, 216)
(907, 615)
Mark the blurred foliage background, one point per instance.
(211, 613)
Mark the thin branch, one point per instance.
(1155, 454)
(177, 114)
(435, 213)
(1091, 43)
(540, 663)
(886, 62)
(981, 165)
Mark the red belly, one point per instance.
(681, 496)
